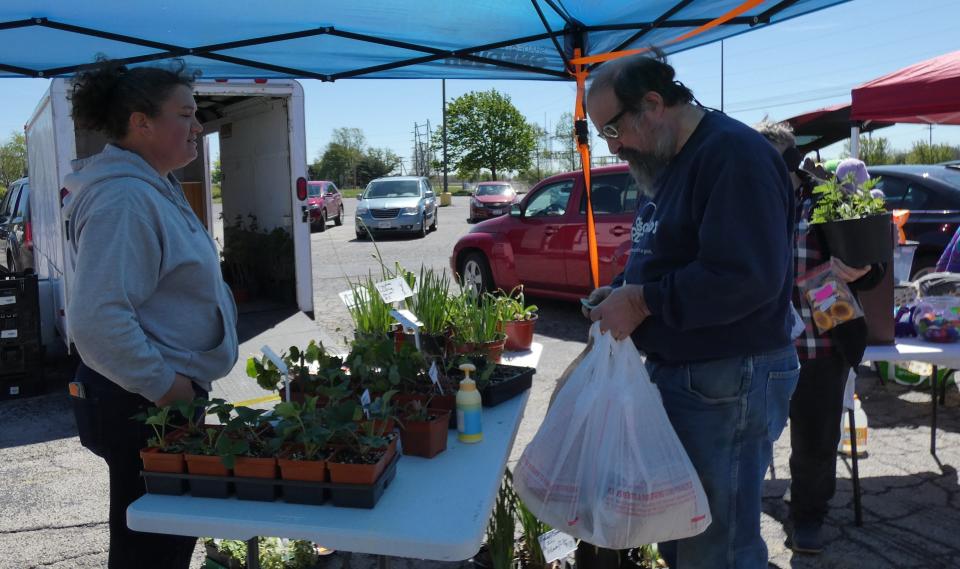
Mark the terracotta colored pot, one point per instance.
(206, 465)
(493, 350)
(303, 470)
(361, 473)
(426, 438)
(379, 426)
(250, 467)
(156, 461)
(519, 334)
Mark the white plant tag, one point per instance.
(350, 299)
(8, 334)
(394, 290)
(275, 359)
(435, 376)
(365, 402)
(5, 300)
(407, 318)
(556, 545)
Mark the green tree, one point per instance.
(338, 163)
(485, 130)
(563, 135)
(216, 175)
(375, 163)
(874, 151)
(13, 159)
(350, 138)
(925, 153)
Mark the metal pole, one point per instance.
(253, 553)
(721, 75)
(444, 84)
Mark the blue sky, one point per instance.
(783, 70)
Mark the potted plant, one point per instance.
(518, 320)
(208, 451)
(495, 382)
(302, 446)
(476, 325)
(855, 225)
(254, 458)
(429, 303)
(362, 456)
(370, 314)
(162, 453)
(423, 430)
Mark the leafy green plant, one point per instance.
(376, 364)
(532, 529)
(503, 522)
(512, 306)
(159, 419)
(302, 425)
(475, 319)
(251, 427)
(370, 314)
(837, 202)
(429, 301)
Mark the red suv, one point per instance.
(542, 243)
(324, 201)
(491, 199)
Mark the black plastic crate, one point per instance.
(292, 491)
(507, 382)
(23, 359)
(19, 309)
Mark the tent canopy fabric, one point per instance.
(328, 40)
(927, 92)
(821, 128)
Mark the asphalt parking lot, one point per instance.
(53, 492)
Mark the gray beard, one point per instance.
(646, 167)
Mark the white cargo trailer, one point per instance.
(263, 164)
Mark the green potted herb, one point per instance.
(476, 324)
(855, 225)
(429, 303)
(254, 458)
(518, 318)
(363, 457)
(370, 314)
(423, 430)
(162, 453)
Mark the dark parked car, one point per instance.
(932, 194)
(542, 243)
(16, 233)
(324, 201)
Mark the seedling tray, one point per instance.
(261, 489)
(506, 383)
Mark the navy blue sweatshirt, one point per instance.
(714, 248)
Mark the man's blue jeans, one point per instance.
(727, 413)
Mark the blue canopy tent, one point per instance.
(559, 40)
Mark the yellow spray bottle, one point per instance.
(469, 424)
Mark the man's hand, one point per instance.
(595, 298)
(845, 272)
(622, 311)
(181, 390)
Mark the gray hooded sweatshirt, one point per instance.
(148, 298)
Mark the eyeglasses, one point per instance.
(610, 130)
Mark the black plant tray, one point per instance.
(262, 489)
(506, 383)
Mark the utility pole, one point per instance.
(721, 75)
(444, 94)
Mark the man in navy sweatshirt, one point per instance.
(706, 291)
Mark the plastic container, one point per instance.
(860, 418)
(937, 319)
(469, 408)
(903, 261)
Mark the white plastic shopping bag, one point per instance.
(606, 465)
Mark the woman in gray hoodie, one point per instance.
(150, 315)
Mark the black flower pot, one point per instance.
(860, 242)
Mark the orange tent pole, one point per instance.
(581, 133)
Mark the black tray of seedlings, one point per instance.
(264, 489)
(505, 383)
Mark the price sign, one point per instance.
(556, 545)
(394, 290)
(365, 402)
(435, 376)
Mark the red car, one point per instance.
(324, 201)
(491, 199)
(542, 243)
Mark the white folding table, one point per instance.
(906, 349)
(434, 508)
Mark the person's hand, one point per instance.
(845, 272)
(622, 311)
(181, 390)
(595, 298)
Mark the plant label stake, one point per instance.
(409, 321)
(365, 402)
(556, 545)
(394, 290)
(435, 376)
(349, 298)
(284, 372)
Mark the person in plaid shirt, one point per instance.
(825, 360)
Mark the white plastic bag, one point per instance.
(606, 465)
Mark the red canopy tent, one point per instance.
(927, 92)
(823, 127)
